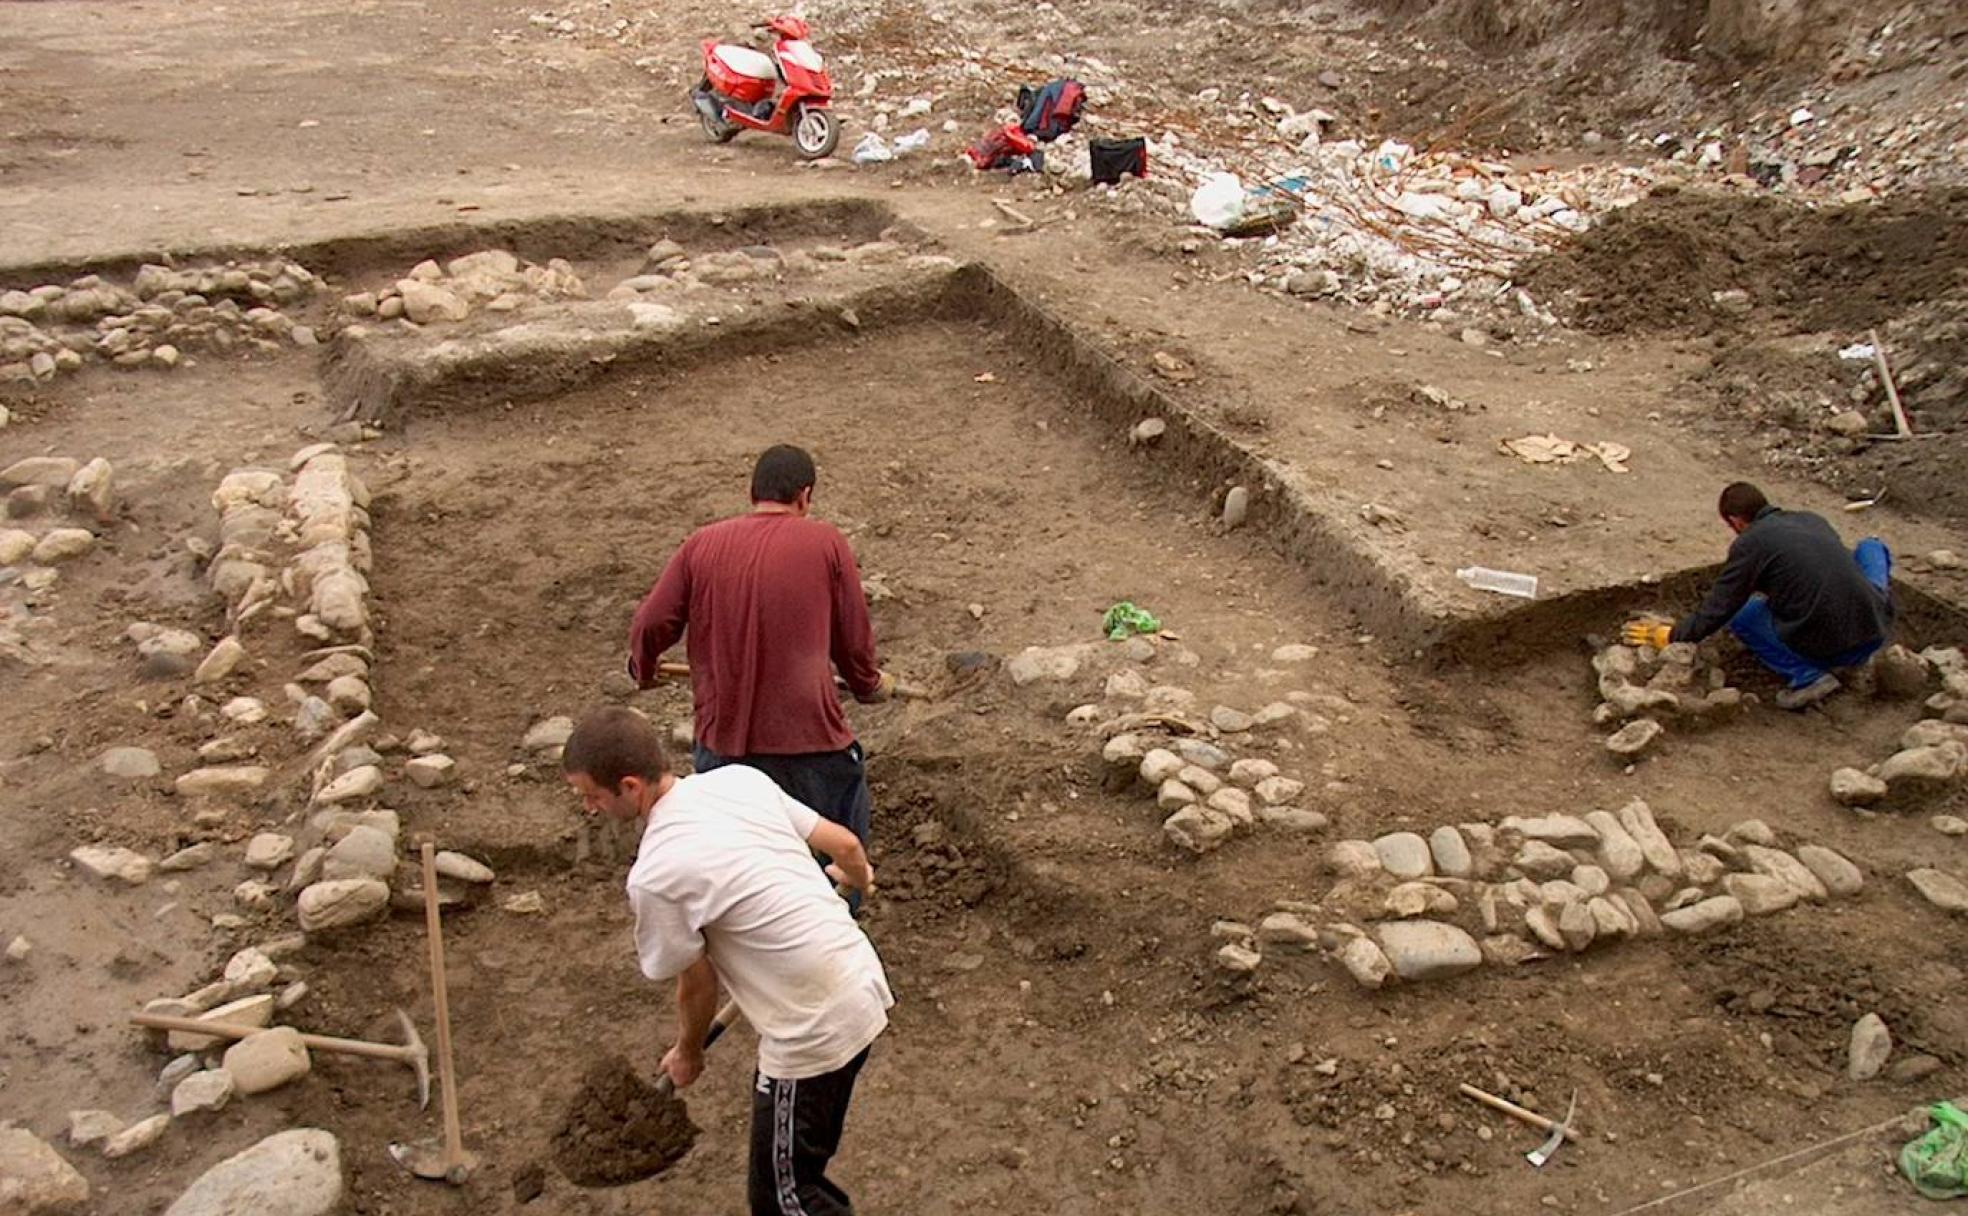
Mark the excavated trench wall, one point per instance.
(389, 381)
(576, 237)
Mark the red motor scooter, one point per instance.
(737, 91)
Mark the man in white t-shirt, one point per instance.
(724, 890)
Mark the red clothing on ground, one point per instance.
(774, 604)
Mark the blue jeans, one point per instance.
(1758, 629)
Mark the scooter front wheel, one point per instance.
(815, 132)
(710, 114)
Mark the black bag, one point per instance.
(1115, 158)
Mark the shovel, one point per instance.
(664, 1091)
(727, 1014)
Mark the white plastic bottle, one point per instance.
(1503, 582)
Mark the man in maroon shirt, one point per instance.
(773, 605)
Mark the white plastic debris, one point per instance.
(1503, 582)
(914, 141)
(1219, 201)
(872, 149)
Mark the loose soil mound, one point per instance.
(1656, 265)
(618, 1129)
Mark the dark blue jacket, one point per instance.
(1820, 602)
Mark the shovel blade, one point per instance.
(427, 1159)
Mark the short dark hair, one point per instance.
(1740, 500)
(781, 473)
(614, 742)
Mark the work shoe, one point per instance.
(1809, 695)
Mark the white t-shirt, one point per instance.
(724, 869)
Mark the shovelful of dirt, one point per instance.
(619, 1128)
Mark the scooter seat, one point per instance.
(745, 61)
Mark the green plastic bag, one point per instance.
(1124, 618)
(1937, 1163)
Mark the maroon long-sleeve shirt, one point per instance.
(773, 605)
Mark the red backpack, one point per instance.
(1000, 146)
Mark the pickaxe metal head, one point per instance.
(418, 1057)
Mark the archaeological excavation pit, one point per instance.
(976, 451)
(1074, 945)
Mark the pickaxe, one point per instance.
(412, 1051)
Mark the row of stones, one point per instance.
(55, 328)
(39, 484)
(1933, 753)
(1205, 794)
(669, 269)
(1555, 883)
(494, 280)
(297, 554)
(255, 983)
(339, 881)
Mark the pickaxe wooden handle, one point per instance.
(904, 690)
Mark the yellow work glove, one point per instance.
(1647, 633)
(884, 689)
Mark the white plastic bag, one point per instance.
(1219, 202)
(914, 141)
(872, 149)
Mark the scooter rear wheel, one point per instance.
(718, 130)
(815, 132)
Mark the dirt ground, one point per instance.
(1062, 1037)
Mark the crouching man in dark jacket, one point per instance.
(1793, 594)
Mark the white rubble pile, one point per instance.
(1424, 234)
(163, 312)
(1434, 235)
(1822, 151)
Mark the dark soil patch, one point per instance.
(1800, 985)
(1656, 265)
(620, 1129)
